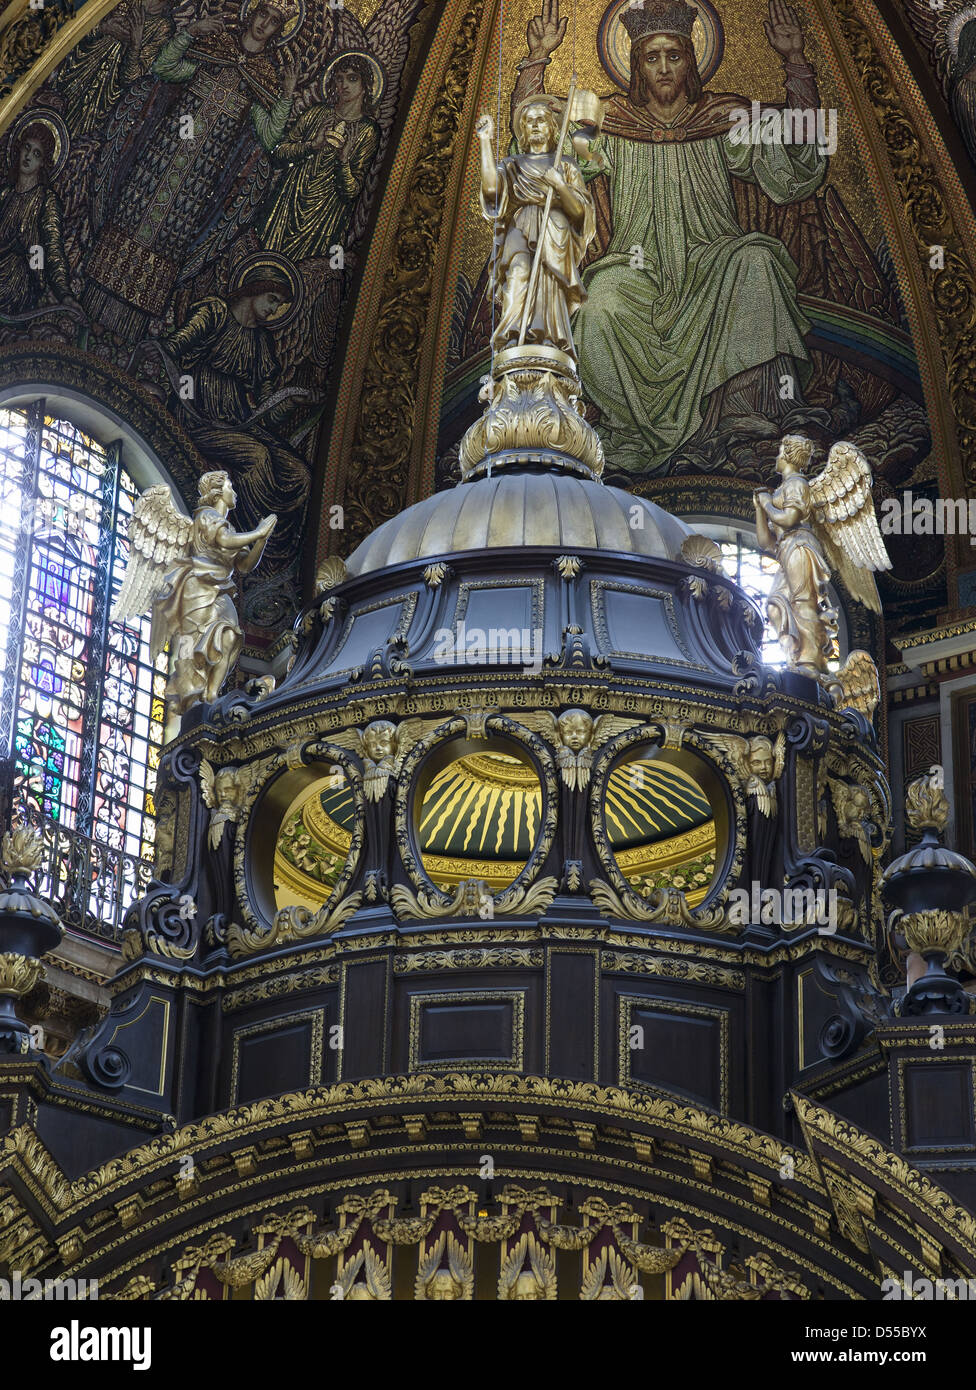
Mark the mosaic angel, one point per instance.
(949, 33)
(32, 256)
(238, 413)
(313, 189)
(121, 50)
(184, 571)
(172, 147)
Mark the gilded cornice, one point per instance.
(828, 1134)
(24, 1156)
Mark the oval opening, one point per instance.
(667, 822)
(313, 842)
(477, 813)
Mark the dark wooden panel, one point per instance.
(364, 1020)
(571, 1015)
(681, 1053)
(466, 1031)
(276, 1061)
(938, 1104)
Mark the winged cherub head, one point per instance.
(379, 739)
(575, 729)
(443, 1287)
(761, 759)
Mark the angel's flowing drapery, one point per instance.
(29, 220)
(309, 212)
(198, 604)
(94, 76)
(162, 199)
(797, 602)
(234, 369)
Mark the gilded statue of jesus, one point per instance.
(513, 197)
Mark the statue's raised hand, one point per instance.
(485, 127)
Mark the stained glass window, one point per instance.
(81, 702)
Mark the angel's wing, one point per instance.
(779, 755)
(609, 726)
(541, 722)
(159, 537)
(409, 732)
(228, 226)
(377, 1278)
(351, 739)
(857, 685)
(845, 523)
(460, 1266)
(735, 748)
(207, 779)
(931, 23)
(428, 1266)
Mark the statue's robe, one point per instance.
(517, 213)
(308, 212)
(683, 299)
(198, 603)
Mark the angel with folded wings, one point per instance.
(382, 746)
(183, 569)
(759, 764)
(576, 737)
(813, 527)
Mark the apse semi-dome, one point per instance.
(522, 509)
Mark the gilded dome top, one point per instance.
(522, 508)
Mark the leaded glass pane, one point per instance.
(85, 727)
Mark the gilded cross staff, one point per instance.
(547, 209)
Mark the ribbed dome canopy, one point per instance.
(513, 509)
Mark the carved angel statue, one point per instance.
(528, 1274)
(609, 1279)
(365, 1278)
(759, 763)
(382, 746)
(576, 737)
(183, 570)
(446, 1273)
(813, 527)
(225, 792)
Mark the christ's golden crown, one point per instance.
(659, 17)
